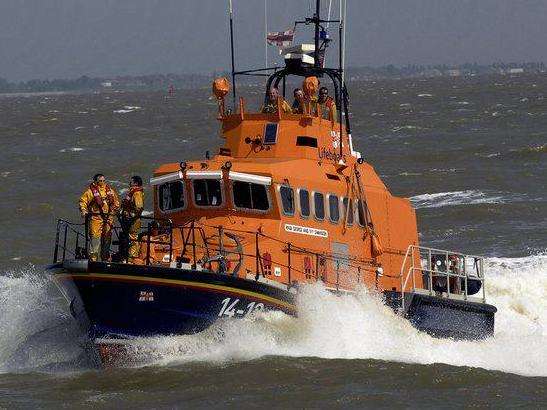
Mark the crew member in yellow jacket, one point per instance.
(99, 204)
(132, 207)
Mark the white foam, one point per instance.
(362, 327)
(126, 109)
(72, 149)
(454, 198)
(425, 95)
(37, 331)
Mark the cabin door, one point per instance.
(339, 265)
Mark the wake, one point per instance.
(41, 334)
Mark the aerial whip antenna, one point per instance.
(265, 33)
(343, 13)
(231, 9)
(328, 17)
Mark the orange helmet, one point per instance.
(310, 86)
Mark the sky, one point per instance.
(69, 38)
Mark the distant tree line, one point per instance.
(189, 81)
(81, 83)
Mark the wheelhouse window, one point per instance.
(248, 195)
(361, 212)
(304, 200)
(319, 205)
(171, 196)
(334, 208)
(287, 199)
(207, 192)
(349, 212)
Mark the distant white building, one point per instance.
(107, 84)
(454, 73)
(516, 70)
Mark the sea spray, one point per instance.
(362, 327)
(43, 335)
(37, 332)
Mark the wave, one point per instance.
(362, 327)
(537, 149)
(72, 149)
(329, 326)
(454, 198)
(127, 109)
(37, 330)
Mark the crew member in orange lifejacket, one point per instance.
(132, 207)
(327, 104)
(99, 204)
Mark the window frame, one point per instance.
(279, 186)
(298, 190)
(352, 213)
(184, 195)
(357, 214)
(222, 194)
(314, 210)
(328, 196)
(276, 132)
(252, 210)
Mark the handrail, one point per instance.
(199, 247)
(66, 230)
(455, 264)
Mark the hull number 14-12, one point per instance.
(232, 307)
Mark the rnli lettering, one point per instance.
(305, 230)
(330, 154)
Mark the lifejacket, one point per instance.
(98, 199)
(127, 203)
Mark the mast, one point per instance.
(232, 53)
(317, 21)
(341, 70)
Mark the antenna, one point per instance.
(265, 33)
(232, 52)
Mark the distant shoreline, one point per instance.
(163, 82)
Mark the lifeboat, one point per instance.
(285, 202)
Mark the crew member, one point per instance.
(271, 104)
(298, 103)
(327, 103)
(310, 86)
(98, 205)
(132, 207)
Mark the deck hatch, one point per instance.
(270, 133)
